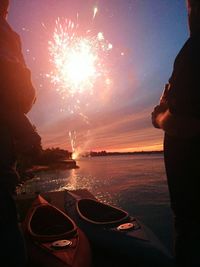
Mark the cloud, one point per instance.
(127, 132)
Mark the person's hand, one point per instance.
(154, 117)
(157, 111)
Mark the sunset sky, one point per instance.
(145, 35)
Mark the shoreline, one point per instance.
(104, 153)
(59, 165)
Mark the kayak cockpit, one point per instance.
(47, 223)
(100, 213)
(47, 220)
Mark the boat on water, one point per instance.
(53, 238)
(113, 231)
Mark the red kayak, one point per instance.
(53, 239)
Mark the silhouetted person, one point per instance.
(178, 114)
(17, 135)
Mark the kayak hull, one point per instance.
(53, 239)
(126, 238)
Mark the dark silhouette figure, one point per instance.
(178, 114)
(17, 135)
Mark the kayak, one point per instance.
(113, 230)
(53, 239)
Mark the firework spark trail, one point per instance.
(43, 25)
(72, 137)
(77, 150)
(95, 12)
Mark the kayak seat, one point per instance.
(100, 213)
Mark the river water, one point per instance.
(136, 183)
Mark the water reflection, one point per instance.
(135, 183)
(140, 178)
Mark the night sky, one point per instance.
(146, 36)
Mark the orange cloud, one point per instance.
(132, 132)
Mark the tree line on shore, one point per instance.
(46, 156)
(104, 153)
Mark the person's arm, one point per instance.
(183, 127)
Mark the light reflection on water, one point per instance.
(136, 183)
(111, 179)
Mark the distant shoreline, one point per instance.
(104, 153)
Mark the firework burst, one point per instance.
(78, 61)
